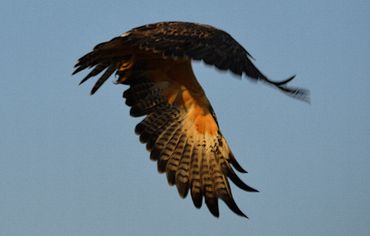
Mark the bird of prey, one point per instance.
(180, 127)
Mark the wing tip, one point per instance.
(236, 164)
(233, 206)
(197, 199)
(182, 189)
(78, 69)
(212, 205)
(294, 92)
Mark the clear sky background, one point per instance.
(70, 163)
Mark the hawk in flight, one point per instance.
(180, 128)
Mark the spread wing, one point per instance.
(201, 42)
(181, 132)
(180, 128)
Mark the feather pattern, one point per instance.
(179, 127)
(187, 40)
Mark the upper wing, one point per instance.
(202, 42)
(180, 127)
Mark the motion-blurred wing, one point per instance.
(203, 42)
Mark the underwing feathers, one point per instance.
(179, 127)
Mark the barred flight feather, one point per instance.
(180, 128)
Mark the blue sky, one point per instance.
(70, 163)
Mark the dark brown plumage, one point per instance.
(180, 128)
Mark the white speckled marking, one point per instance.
(125, 34)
